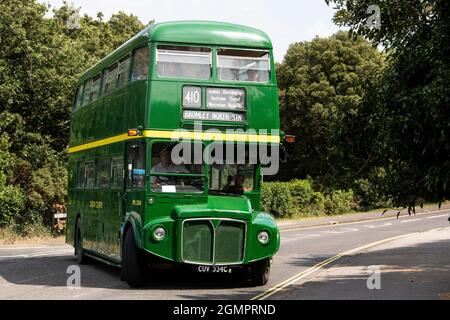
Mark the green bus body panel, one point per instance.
(210, 33)
(214, 207)
(156, 104)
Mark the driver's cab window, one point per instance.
(136, 165)
(172, 162)
(232, 178)
(232, 170)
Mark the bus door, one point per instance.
(113, 208)
(135, 179)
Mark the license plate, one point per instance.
(214, 269)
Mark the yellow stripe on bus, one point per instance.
(176, 135)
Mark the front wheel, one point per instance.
(260, 272)
(133, 267)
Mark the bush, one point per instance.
(12, 202)
(302, 193)
(338, 202)
(317, 205)
(369, 192)
(276, 198)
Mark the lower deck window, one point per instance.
(136, 165)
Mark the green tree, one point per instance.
(40, 62)
(320, 87)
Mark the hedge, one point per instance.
(297, 198)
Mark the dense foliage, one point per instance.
(40, 61)
(405, 113)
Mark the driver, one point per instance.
(166, 165)
(237, 187)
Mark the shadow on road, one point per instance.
(52, 272)
(407, 272)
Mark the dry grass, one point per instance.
(28, 235)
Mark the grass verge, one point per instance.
(28, 234)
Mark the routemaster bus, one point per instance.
(205, 91)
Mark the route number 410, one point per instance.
(192, 97)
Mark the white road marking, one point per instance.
(32, 248)
(300, 237)
(378, 226)
(351, 229)
(333, 232)
(37, 254)
(439, 216)
(411, 220)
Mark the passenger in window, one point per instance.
(237, 187)
(166, 165)
(252, 75)
(141, 62)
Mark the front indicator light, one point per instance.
(263, 237)
(159, 234)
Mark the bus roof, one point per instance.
(191, 32)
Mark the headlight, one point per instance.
(159, 234)
(263, 237)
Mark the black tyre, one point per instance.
(133, 266)
(260, 272)
(79, 252)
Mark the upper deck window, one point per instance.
(123, 72)
(184, 62)
(141, 60)
(96, 86)
(109, 84)
(243, 65)
(79, 100)
(87, 92)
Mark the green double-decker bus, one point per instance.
(165, 149)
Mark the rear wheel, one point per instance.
(133, 263)
(79, 252)
(260, 272)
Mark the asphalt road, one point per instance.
(41, 272)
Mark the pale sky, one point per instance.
(285, 21)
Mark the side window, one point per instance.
(79, 101)
(103, 173)
(124, 68)
(136, 165)
(80, 175)
(141, 60)
(110, 79)
(96, 86)
(87, 92)
(117, 173)
(89, 175)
